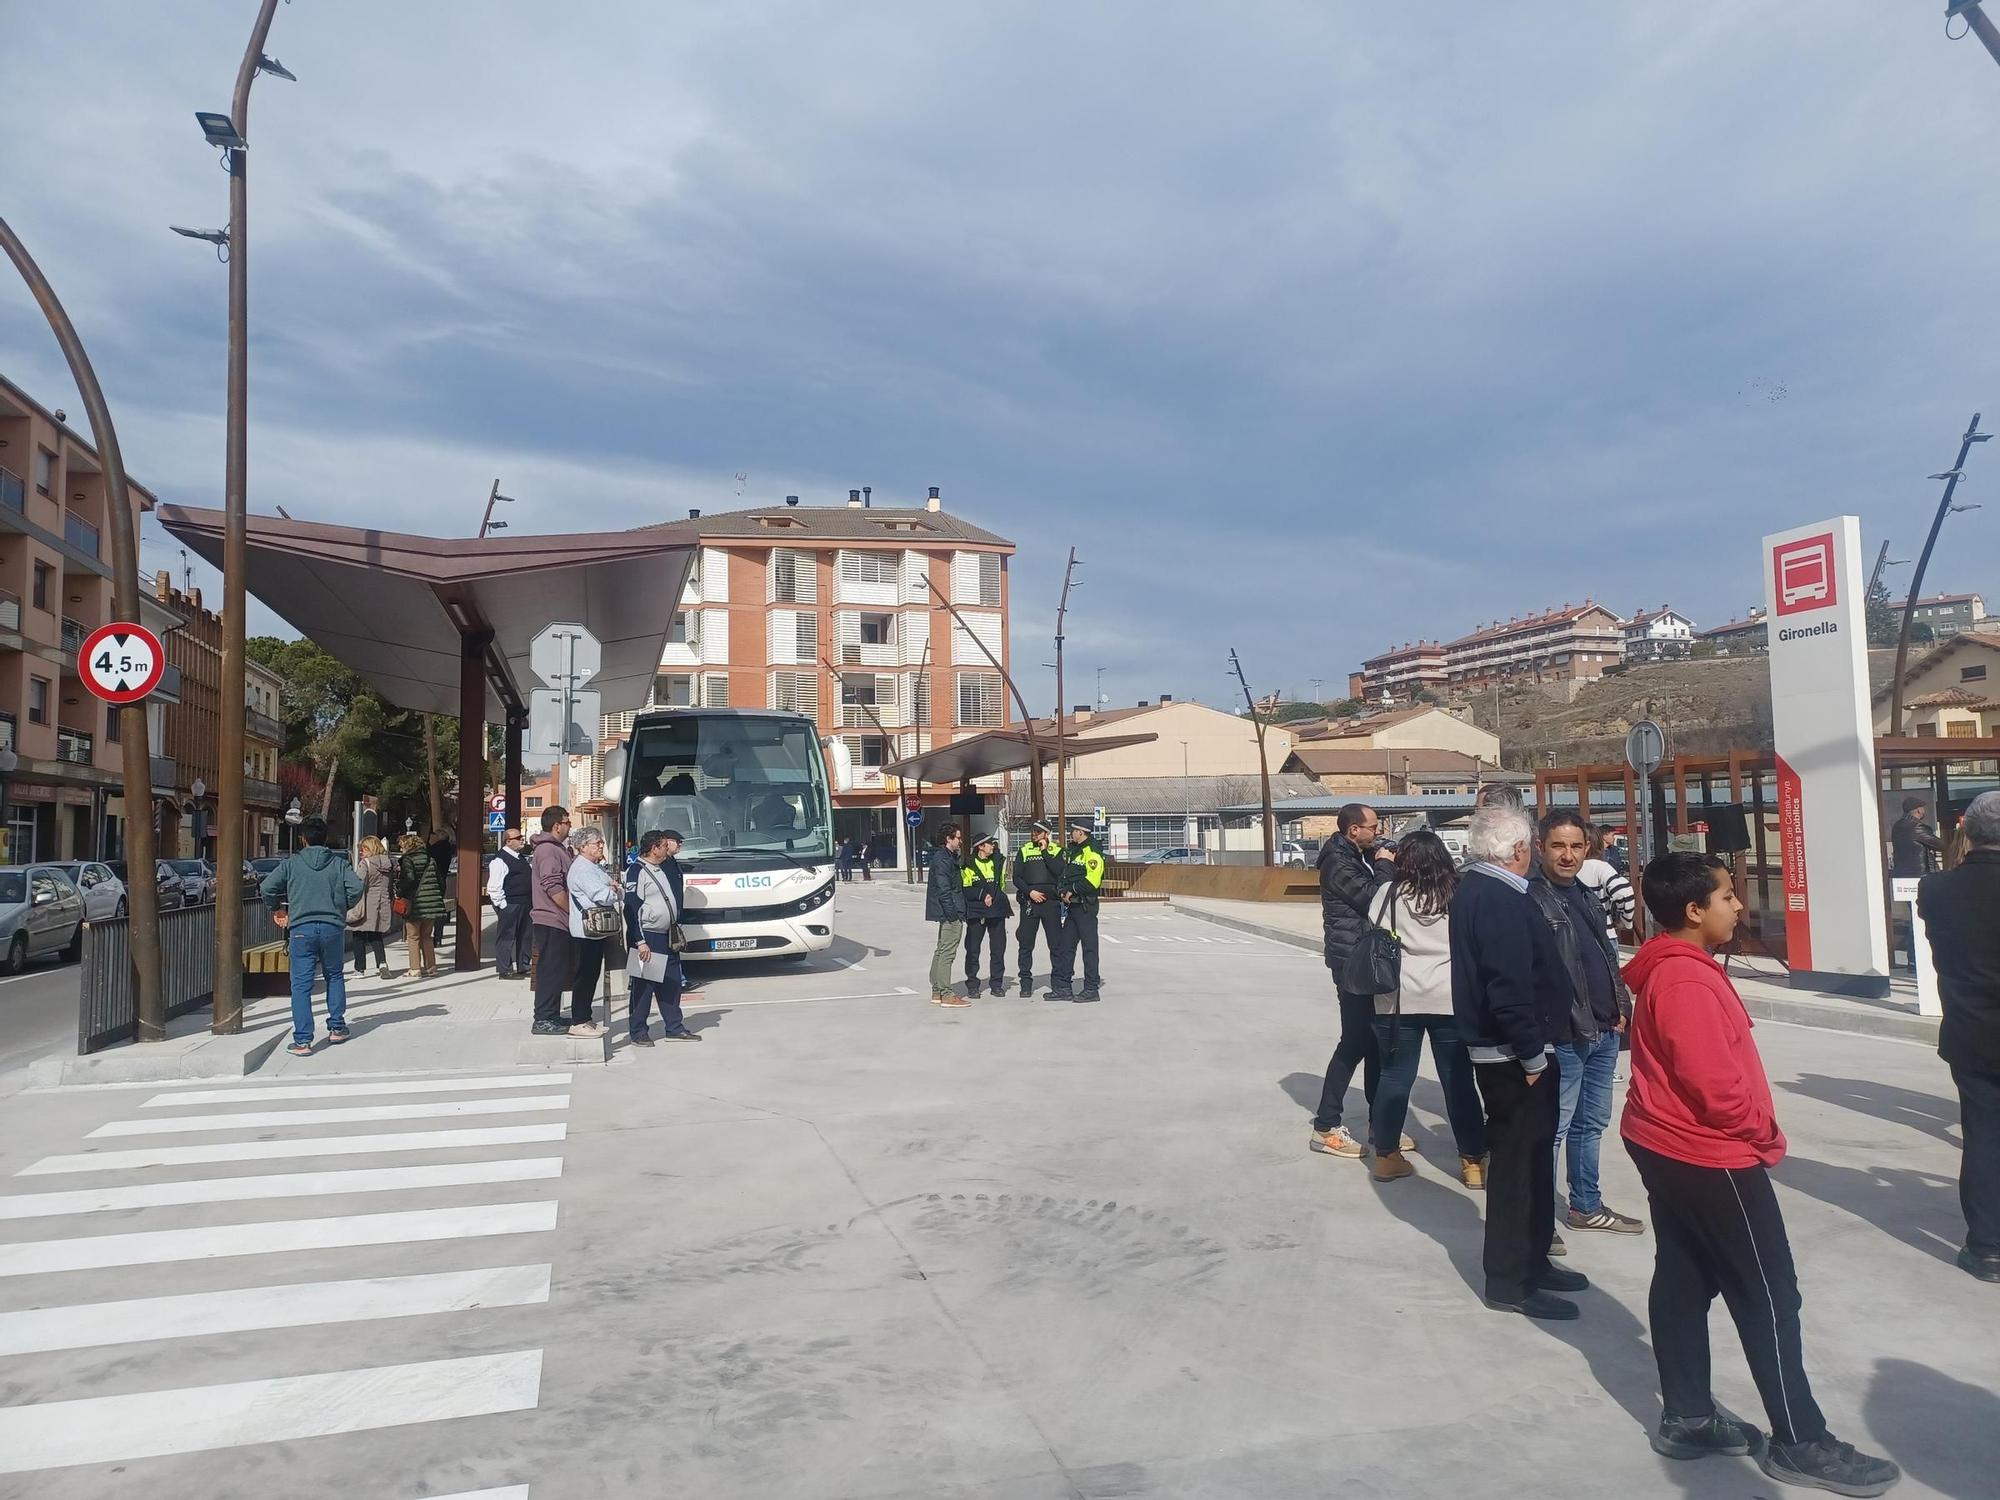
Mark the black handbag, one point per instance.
(1375, 963)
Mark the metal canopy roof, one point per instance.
(998, 751)
(395, 608)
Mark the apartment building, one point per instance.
(1948, 614)
(1663, 634)
(1401, 672)
(1749, 636)
(64, 796)
(831, 611)
(1572, 644)
(263, 744)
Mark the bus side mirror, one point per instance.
(614, 774)
(841, 763)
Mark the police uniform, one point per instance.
(986, 914)
(1078, 882)
(1035, 869)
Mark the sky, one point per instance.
(1313, 328)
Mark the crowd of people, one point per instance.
(1058, 888)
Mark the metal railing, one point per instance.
(261, 793)
(74, 746)
(6, 731)
(73, 634)
(13, 492)
(80, 534)
(261, 726)
(10, 610)
(108, 1004)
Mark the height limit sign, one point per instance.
(121, 663)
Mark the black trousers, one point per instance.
(1520, 1176)
(1044, 917)
(1718, 1229)
(555, 967)
(1979, 1173)
(1079, 932)
(993, 931)
(1357, 1045)
(591, 954)
(510, 945)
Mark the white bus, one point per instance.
(748, 791)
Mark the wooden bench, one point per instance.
(267, 969)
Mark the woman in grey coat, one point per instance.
(373, 916)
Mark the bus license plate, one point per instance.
(725, 945)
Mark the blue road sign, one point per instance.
(496, 822)
(914, 818)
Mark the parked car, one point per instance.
(169, 891)
(254, 871)
(41, 914)
(1293, 854)
(1179, 854)
(197, 878)
(102, 891)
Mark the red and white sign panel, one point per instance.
(1829, 813)
(121, 662)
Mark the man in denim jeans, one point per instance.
(316, 887)
(1599, 1011)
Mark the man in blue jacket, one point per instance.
(1512, 998)
(315, 887)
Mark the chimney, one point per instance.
(867, 502)
(792, 502)
(694, 515)
(163, 585)
(933, 503)
(1080, 712)
(854, 499)
(1166, 697)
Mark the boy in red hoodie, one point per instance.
(1700, 1125)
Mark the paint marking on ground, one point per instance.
(287, 1150)
(277, 1185)
(359, 1115)
(262, 1092)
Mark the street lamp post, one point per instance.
(232, 133)
(133, 737)
(1951, 478)
(493, 498)
(294, 815)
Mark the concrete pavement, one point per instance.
(853, 1245)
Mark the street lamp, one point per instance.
(294, 815)
(486, 522)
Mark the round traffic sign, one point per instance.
(1645, 747)
(914, 817)
(121, 662)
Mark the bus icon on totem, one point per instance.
(1805, 574)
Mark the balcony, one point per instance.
(6, 731)
(74, 747)
(80, 534)
(13, 493)
(889, 715)
(73, 634)
(10, 611)
(869, 654)
(261, 793)
(165, 773)
(261, 726)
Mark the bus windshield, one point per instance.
(730, 784)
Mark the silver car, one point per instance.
(41, 914)
(102, 891)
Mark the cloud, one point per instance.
(1312, 328)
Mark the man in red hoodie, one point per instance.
(1700, 1125)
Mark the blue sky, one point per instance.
(1312, 327)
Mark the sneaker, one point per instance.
(1054, 994)
(1336, 1142)
(951, 1001)
(337, 1034)
(1605, 1220)
(300, 1049)
(549, 1028)
(1088, 997)
(683, 1035)
(1828, 1465)
(1538, 1305)
(1391, 1165)
(642, 1039)
(1472, 1172)
(1696, 1437)
(586, 1028)
(1406, 1142)
(1985, 1267)
(1556, 1245)
(1562, 1279)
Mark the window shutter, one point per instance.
(916, 573)
(967, 638)
(783, 637)
(714, 575)
(965, 578)
(715, 637)
(805, 636)
(847, 635)
(715, 690)
(989, 578)
(913, 628)
(979, 699)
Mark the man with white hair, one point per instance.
(1959, 908)
(1511, 996)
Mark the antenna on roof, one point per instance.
(741, 480)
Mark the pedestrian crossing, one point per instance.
(205, 1258)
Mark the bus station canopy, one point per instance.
(401, 610)
(998, 751)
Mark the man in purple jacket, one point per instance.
(555, 949)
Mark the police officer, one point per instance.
(986, 914)
(1078, 881)
(1035, 867)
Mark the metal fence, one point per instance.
(108, 1007)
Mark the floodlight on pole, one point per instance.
(220, 130)
(275, 68)
(213, 236)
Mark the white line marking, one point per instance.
(353, 1090)
(277, 1185)
(214, 1241)
(506, 1492)
(331, 1145)
(805, 999)
(264, 1119)
(1118, 940)
(152, 1424)
(139, 1319)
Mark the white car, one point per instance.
(1292, 855)
(1179, 854)
(103, 892)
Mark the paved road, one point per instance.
(37, 1015)
(855, 1246)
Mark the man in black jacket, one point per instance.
(944, 904)
(1599, 1006)
(1958, 908)
(1913, 848)
(1035, 868)
(1512, 1001)
(1350, 869)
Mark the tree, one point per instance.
(1292, 713)
(1884, 623)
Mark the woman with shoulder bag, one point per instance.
(652, 922)
(1416, 907)
(421, 885)
(370, 918)
(595, 922)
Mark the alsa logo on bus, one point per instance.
(739, 883)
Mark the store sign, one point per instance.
(1829, 818)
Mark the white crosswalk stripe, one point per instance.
(67, 1313)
